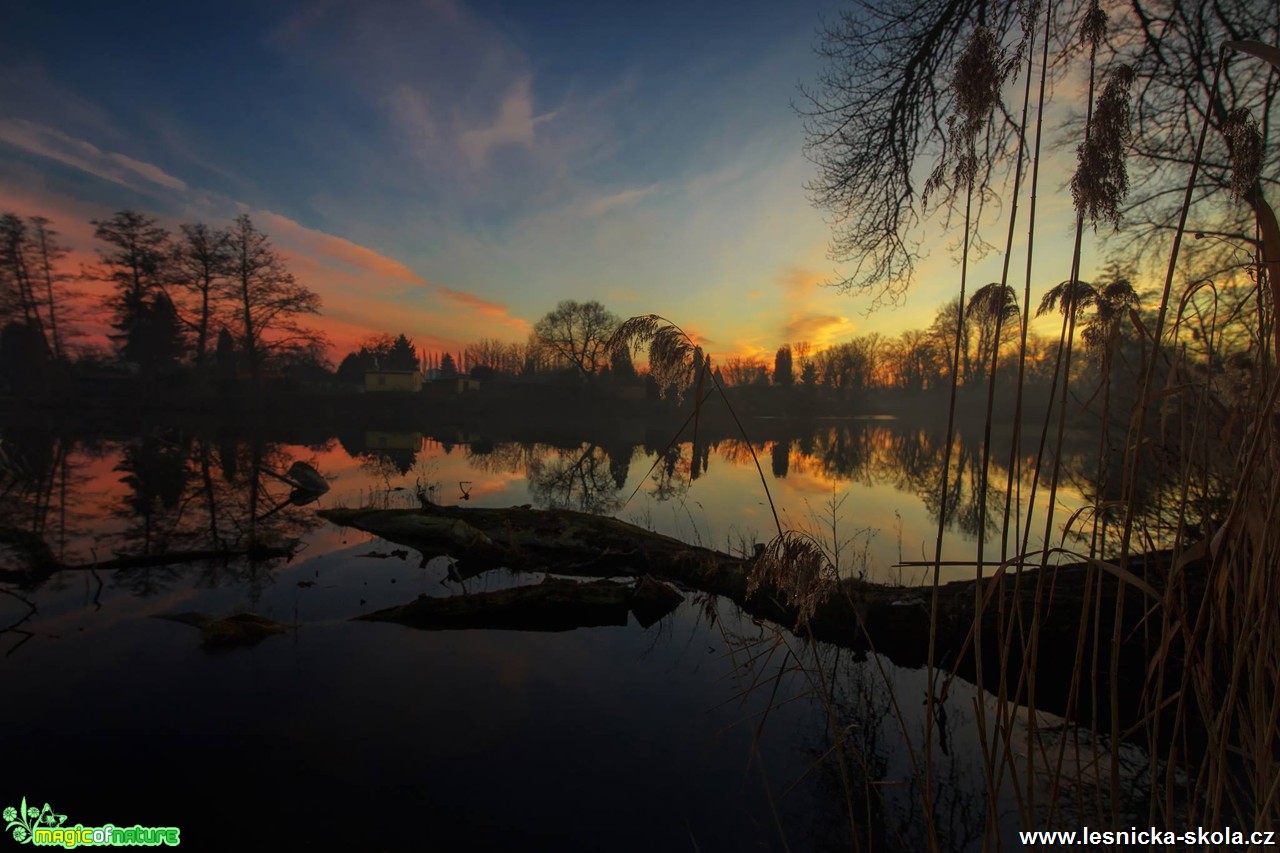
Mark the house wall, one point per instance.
(382, 380)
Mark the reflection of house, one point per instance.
(457, 384)
(392, 380)
(376, 440)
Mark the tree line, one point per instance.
(220, 302)
(187, 300)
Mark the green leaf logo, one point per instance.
(22, 821)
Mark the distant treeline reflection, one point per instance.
(91, 497)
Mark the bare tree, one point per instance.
(578, 333)
(136, 258)
(201, 267)
(47, 253)
(17, 290)
(266, 300)
(880, 115)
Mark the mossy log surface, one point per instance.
(231, 632)
(892, 620)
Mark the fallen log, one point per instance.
(895, 621)
(553, 605)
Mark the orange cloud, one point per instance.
(321, 246)
(804, 303)
(493, 310)
(817, 329)
(799, 284)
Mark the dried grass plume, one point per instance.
(670, 350)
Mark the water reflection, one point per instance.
(77, 504)
(72, 502)
(79, 498)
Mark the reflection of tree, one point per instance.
(156, 471)
(40, 479)
(672, 474)
(182, 494)
(507, 458)
(620, 463)
(387, 465)
(243, 511)
(779, 454)
(580, 479)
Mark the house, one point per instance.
(392, 380)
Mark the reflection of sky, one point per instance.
(453, 169)
(480, 735)
(878, 520)
(505, 740)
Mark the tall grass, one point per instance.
(1209, 621)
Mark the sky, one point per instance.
(451, 170)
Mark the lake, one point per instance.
(704, 731)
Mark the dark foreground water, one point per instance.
(702, 732)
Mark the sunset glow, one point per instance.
(453, 170)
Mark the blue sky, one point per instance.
(451, 169)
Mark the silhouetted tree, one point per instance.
(136, 262)
(882, 108)
(266, 300)
(48, 252)
(402, 356)
(943, 332)
(744, 371)
(351, 369)
(809, 375)
(621, 365)
(32, 287)
(448, 368)
(201, 266)
(224, 359)
(578, 333)
(993, 310)
(782, 374)
(17, 294)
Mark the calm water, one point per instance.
(383, 737)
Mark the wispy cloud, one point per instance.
(515, 124)
(495, 311)
(624, 198)
(327, 247)
(818, 329)
(805, 305)
(50, 142)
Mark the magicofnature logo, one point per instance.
(43, 827)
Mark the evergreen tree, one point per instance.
(448, 368)
(402, 355)
(782, 374)
(136, 262)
